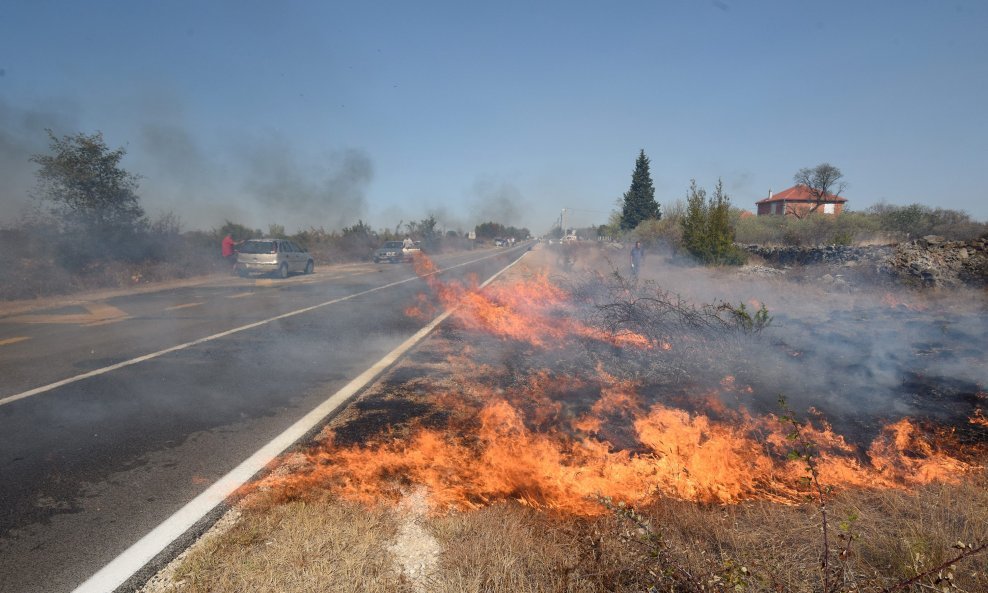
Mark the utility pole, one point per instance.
(562, 222)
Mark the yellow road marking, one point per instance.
(241, 295)
(97, 314)
(185, 306)
(14, 340)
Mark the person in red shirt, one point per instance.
(229, 250)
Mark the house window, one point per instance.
(828, 208)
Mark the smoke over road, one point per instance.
(254, 179)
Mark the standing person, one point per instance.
(637, 254)
(229, 250)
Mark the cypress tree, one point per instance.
(639, 200)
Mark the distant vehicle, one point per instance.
(279, 256)
(499, 242)
(569, 238)
(396, 252)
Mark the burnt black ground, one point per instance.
(857, 369)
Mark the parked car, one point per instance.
(396, 252)
(279, 256)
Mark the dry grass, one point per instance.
(297, 547)
(508, 547)
(331, 545)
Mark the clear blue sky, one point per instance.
(320, 113)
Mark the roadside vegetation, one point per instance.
(880, 224)
(671, 545)
(89, 230)
(710, 230)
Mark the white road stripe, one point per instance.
(146, 357)
(124, 566)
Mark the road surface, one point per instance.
(114, 414)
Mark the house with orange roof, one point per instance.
(798, 201)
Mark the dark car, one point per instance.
(396, 252)
(280, 256)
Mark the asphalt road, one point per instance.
(91, 463)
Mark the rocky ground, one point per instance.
(929, 262)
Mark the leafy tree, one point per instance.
(489, 230)
(639, 200)
(694, 221)
(708, 233)
(89, 190)
(613, 225)
(917, 220)
(823, 182)
(720, 233)
(424, 229)
(519, 234)
(93, 201)
(361, 229)
(238, 231)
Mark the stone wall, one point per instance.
(928, 262)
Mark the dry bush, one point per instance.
(815, 229)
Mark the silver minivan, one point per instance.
(279, 256)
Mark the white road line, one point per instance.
(146, 357)
(124, 566)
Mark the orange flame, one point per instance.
(541, 444)
(491, 452)
(528, 310)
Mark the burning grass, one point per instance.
(539, 402)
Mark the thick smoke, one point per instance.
(260, 181)
(254, 180)
(861, 356)
(22, 134)
(181, 177)
(283, 190)
(498, 201)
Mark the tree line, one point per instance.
(709, 228)
(92, 206)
